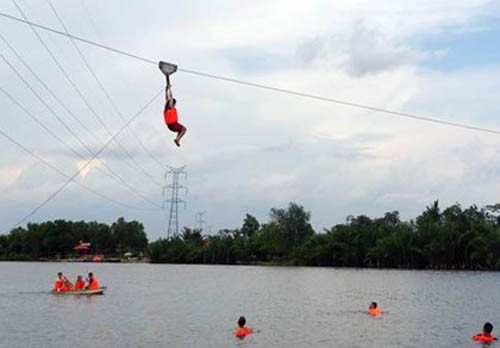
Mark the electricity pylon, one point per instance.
(174, 200)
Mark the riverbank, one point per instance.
(277, 263)
(78, 260)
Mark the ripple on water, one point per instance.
(198, 306)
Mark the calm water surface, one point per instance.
(198, 306)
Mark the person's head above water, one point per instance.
(242, 321)
(373, 305)
(485, 336)
(242, 331)
(487, 328)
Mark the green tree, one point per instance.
(250, 225)
(293, 223)
(128, 236)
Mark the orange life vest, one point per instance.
(170, 115)
(374, 311)
(66, 287)
(79, 285)
(58, 284)
(241, 332)
(483, 338)
(94, 284)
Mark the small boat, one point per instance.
(98, 291)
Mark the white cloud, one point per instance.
(365, 51)
(8, 175)
(369, 52)
(248, 150)
(84, 167)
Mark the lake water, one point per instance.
(198, 306)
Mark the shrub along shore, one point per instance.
(454, 238)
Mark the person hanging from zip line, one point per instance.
(170, 111)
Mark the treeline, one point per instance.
(57, 238)
(455, 238)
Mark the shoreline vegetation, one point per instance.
(452, 239)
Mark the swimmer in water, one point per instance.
(485, 336)
(373, 310)
(242, 331)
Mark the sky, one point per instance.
(248, 150)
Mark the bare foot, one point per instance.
(177, 142)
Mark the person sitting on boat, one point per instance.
(59, 282)
(93, 283)
(373, 310)
(79, 284)
(66, 285)
(242, 331)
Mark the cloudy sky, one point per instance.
(248, 149)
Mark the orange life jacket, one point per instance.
(374, 311)
(483, 338)
(170, 115)
(79, 285)
(58, 284)
(241, 332)
(94, 284)
(66, 287)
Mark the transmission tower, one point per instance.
(200, 219)
(173, 190)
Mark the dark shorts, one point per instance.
(176, 127)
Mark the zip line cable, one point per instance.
(77, 38)
(42, 160)
(75, 175)
(102, 88)
(257, 85)
(86, 102)
(115, 176)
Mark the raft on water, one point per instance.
(98, 291)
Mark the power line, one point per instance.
(73, 177)
(56, 98)
(47, 129)
(26, 83)
(84, 99)
(91, 20)
(25, 21)
(41, 159)
(262, 86)
(115, 176)
(101, 86)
